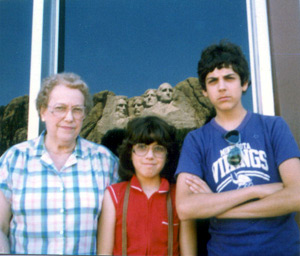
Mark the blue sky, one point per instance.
(125, 46)
(15, 45)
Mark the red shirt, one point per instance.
(147, 219)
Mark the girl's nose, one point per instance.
(150, 153)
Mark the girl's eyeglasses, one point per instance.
(235, 154)
(141, 149)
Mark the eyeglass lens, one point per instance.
(142, 149)
(233, 137)
(235, 155)
(61, 110)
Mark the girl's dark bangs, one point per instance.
(148, 136)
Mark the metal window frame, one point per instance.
(260, 57)
(36, 65)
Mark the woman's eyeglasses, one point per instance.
(235, 154)
(141, 149)
(61, 110)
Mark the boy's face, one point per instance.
(224, 89)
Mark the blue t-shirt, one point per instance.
(266, 141)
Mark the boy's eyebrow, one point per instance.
(230, 74)
(212, 78)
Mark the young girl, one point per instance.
(146, 213)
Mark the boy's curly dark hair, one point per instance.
(224, 54)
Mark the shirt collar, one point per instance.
(39, 145)
(163, 188)
(79, 151)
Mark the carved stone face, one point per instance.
(121, 108)
(150, 98)
(165, 92)
(138, 106)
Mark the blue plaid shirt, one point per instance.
(55, 212)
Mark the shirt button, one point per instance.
(61, 189)
(61, 232)
(62, 210)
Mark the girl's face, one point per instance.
(148, 160)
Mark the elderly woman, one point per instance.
(51, 188)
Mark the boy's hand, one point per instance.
(197, 185)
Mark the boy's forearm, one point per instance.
(4, 243)
(217, 204)
(202, 203)
(208, 205)
(280, 203)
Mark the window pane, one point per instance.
(130, 46)
(15, 43)
(15, 47)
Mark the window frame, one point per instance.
(260, 57)
(39, 64)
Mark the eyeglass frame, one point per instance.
(67, 109)
(234, 156)
(148, 148)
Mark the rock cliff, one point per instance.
(13, 122)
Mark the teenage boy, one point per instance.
(241, 170)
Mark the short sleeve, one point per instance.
(113, 195)
(5, 175)
(283, 142)
(191, 156)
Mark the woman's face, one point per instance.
(148, 160)
(63, 116)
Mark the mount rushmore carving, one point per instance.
(184, 106)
